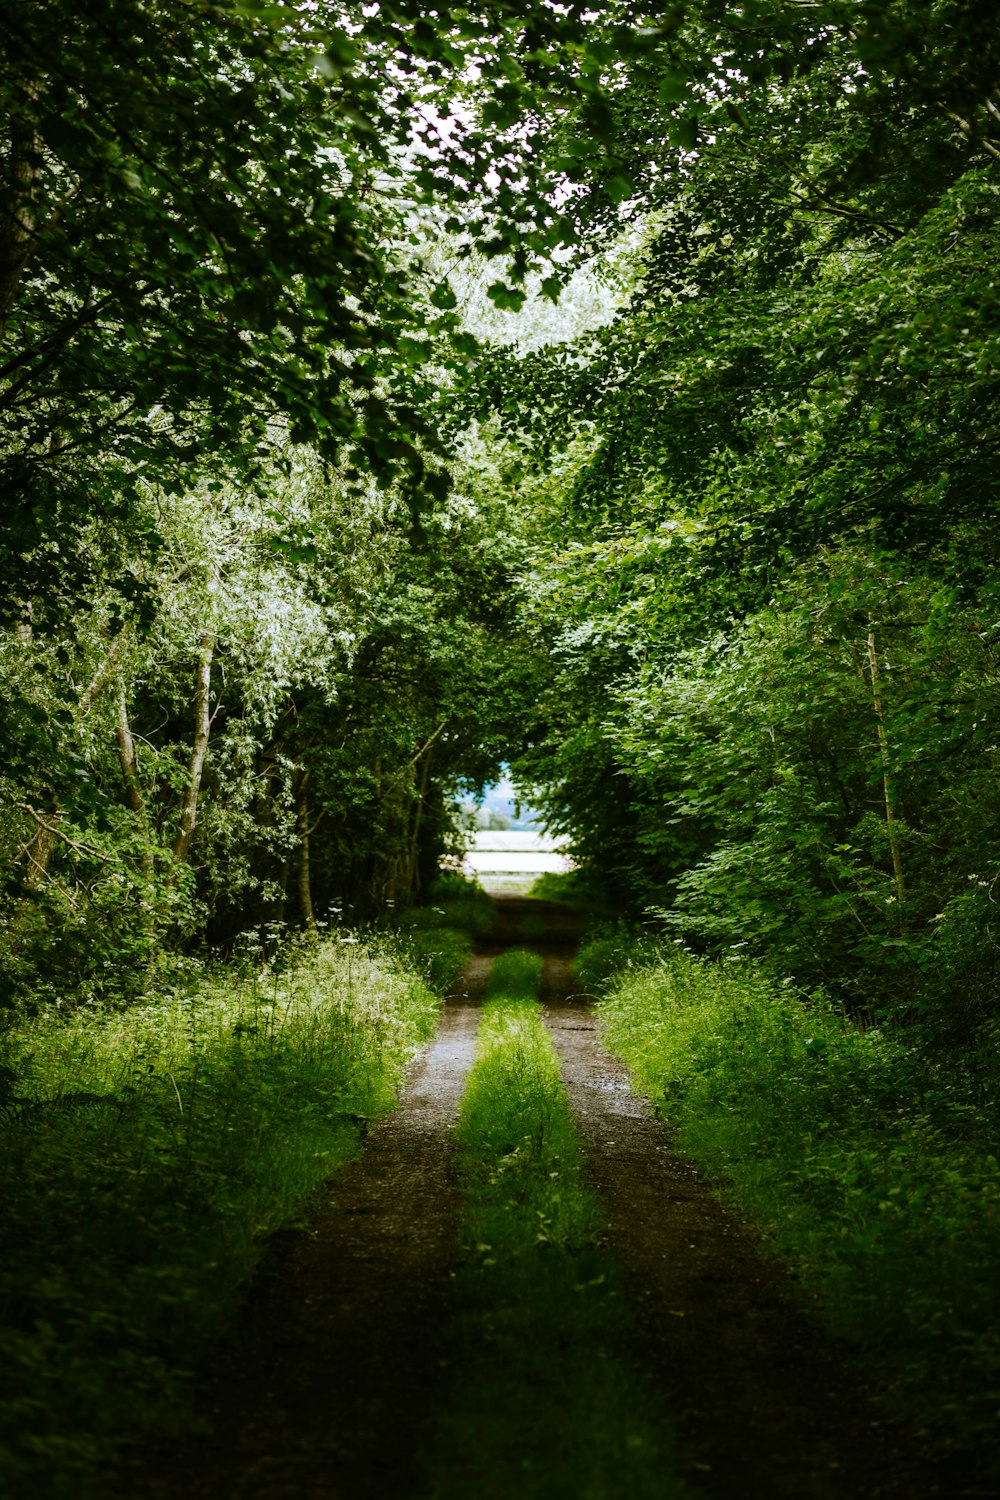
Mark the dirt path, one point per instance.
(764, 1405)
(331, 1383)
(331, 1380)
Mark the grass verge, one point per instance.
(145, 1153)
(546, 1405)
(872, 1168)
(579, 888)
(439, 937)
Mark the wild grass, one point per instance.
(439, 937)
(580, 888)
(146, 1152)
(517, 974)
(611, 947)
(872, 1167)
(546, 1405)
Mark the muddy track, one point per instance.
(764, 1405)
(330, 1384)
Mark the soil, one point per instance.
(331, 1379)
(330, 1383)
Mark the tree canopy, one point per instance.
(298, 543)
(771, 584)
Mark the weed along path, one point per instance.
(763, 1404)
(531, 1310)
(336, 1368)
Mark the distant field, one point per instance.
(509, 859)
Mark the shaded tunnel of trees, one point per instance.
(386, 394)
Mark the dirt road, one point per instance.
(330, 1382)
(330, 1385)
(764, 1404)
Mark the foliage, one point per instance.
(464, 893)
(848, 810)
(291, 561)
(228, 329)
(207, 230)
(544, 1403)
(766, 561)
(871, 1167)
(577, 888)
(346, 704)
(610, 946)
(438, 939)
(147, 1153)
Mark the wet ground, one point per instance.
(330, 1384)
(764, 1404)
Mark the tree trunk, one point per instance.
(126, 755)
(413, 863)
(17, 211)
(130, 774)
(305, 881)
(39, 850)
(202, 727)
(888, 786)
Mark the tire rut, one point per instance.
(330, 1384)
(330, 1381)
(765, 1405)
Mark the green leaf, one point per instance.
(465, 343)
(507, 298)
(443, 297)
(619, 187)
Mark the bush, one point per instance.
(609, 948)
(872, 1167)
(438, 938)
(580, 887)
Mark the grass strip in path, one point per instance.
(544, 1406)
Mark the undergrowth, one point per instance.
(581, 888)
(145, 1153)
(546, 1405)
(870, 1166)
(439, 937)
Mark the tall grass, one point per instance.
(546, 1405)
(145, 1152)
(438, 938)
(871, 1166)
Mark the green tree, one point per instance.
(806, 370)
